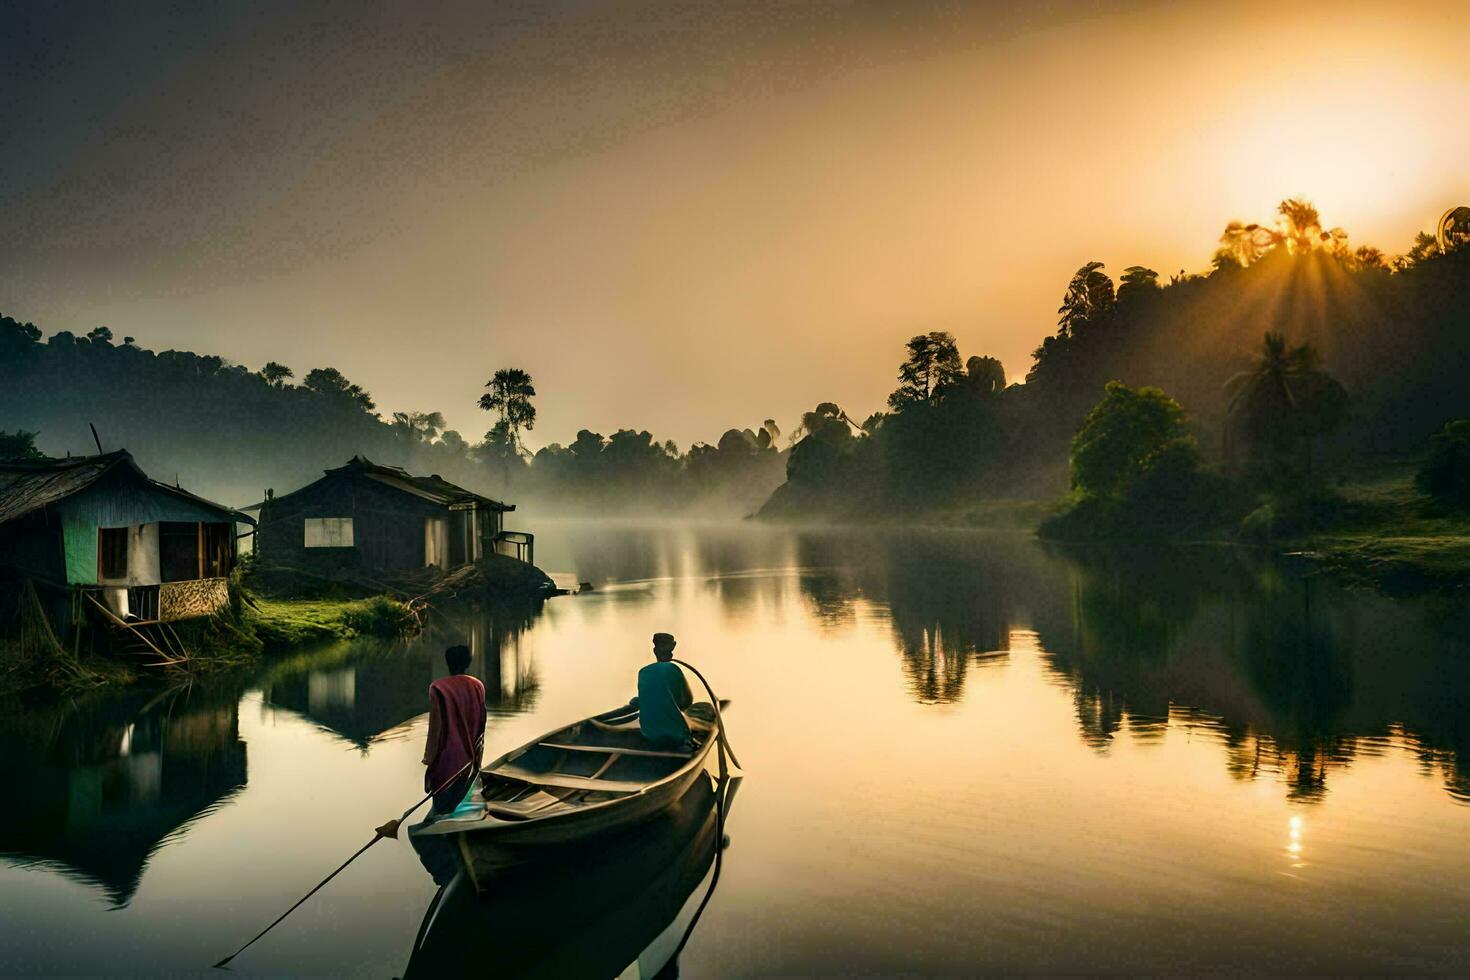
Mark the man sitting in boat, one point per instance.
(456, 732)
(664, 698)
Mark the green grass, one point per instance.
(283, 624)
(1393, 535)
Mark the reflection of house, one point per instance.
(367, 516)
(97, 799)
(99, 523)
(360, 700)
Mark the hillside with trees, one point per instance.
(228, 432)
(1294, 356)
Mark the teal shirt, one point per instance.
(662, 693)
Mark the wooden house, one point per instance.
(368, 517)
(99, 526)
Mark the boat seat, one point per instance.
(564, 781)
(619, 750)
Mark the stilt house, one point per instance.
(98, 525)
(368, 517)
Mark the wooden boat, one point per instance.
(570, 786)
(633, 904)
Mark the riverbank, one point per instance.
(1370, 527)
(1391, 536)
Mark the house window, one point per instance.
(329, 532)
(112, 552)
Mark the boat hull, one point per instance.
(495, 849)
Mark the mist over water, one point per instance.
(964, 752)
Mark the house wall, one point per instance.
(142, 557)
(119, 499)
(388, 526)
(33, 544)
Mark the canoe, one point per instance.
(635, 904)
(571, 786)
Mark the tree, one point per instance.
(100, 335)
(1445, 475)
(510, 397)
(1126, 435)
(1137, 283)
(276, 374)
(1089, 295)
(985, 375)
(1285, 398)
(330, 383)
(18, 445)
(1300, 225)
(419, 426)
(933, 364)
(18, 339)
(500, 452)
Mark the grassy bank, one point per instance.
(1391, 535)
(285, 624)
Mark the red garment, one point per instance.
(456, 725)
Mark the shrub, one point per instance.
(1445, 475)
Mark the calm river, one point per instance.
(963, 753)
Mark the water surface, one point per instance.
(963, 752)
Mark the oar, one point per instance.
(719, 720)
(389, 829)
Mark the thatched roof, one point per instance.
(27, 485)
(30, 484)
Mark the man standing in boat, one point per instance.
(456, 732)
(664, 697)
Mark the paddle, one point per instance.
(389, 829)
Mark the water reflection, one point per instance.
(625, 906)
(93, 790)
(1296, 677)
(363, 692)
(1292, 675)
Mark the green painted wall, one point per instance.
(116, 501)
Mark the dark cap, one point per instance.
(663, 638)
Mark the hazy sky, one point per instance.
(681, 217)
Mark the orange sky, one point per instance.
(684, 218)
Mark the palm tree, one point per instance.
(1089, 295)
(1285, 397)
(274, 373)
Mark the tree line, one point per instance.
(1294, 352)
(229, 432)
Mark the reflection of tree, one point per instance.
(949, 597)
(1295, 677)
(95, 788)
(1129, 610)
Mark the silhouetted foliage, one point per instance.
(1445, 475)
(1284, 402)
(1385, 331)
(509, 398)
(18, 445)
(275, 374)
(329, 383)
(230, 432)
(933, 364)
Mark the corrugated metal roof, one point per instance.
(432, 488)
